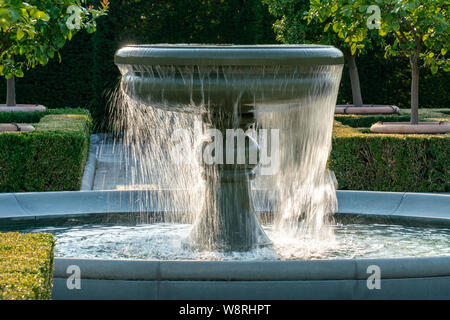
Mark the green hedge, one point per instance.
(388, 162)
(36, 116)
(51, 158)
(87, 72)
(363, 121)
(26, 266)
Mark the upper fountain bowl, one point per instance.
(227, 55)
(182, 76)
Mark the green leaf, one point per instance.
(20, 34)
(5, 18)
(434, 68)
(443, 51)
(353, 48)
(41, 15)
(334, 7)
(18, 73)
(335, 27)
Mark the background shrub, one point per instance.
(51, 158)
(26, 266)
(36, 116)
(363, 121)
(366, 121)
(87, 72)
(388, 162)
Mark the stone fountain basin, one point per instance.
(401, 278)
(176, 76)
(406, 278)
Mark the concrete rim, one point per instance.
(228, 55)
(401, 206)
(401, 278)
(285, 270)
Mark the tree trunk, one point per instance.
(414, 91)
(10, 92)
(354, 79)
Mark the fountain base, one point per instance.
(227, 221)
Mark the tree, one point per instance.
(302, 21)
(415, 29)
(33, 32)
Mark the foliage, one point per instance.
(365, 121)
(36, 116)
(26, 266)
(303, 21)
(33, 32)
(51, 158)
(388, 162)
(88, 73)
(164, 21)
(415, 29)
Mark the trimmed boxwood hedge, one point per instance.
(36, 116)
(51, 158)
(365, 121)
(389, 162)
(26, 266)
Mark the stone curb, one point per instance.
(392, 205)
(338, 269)
(401, 278)
(87, 181)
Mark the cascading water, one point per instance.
(146, 140)
(306, 189)
(157, 101)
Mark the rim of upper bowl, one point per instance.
(228, 55)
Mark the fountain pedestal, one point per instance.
(227, 221)
(228, 82)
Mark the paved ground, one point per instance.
(115, 169)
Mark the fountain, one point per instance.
(125, 248)
(231, 86)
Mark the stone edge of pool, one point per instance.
(401, 278)
(421, 207)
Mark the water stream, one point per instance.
(162, 116)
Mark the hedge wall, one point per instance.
(365, 121)
(87, 71)
(359, 121)
(51, 158)
(26, 266)
(36, 116)
(382, 162)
